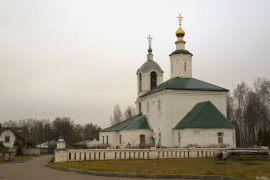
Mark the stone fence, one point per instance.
(64, 155)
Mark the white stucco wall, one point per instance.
(157, 118)
(61, 144)
(175, 104)
(113, 138)
(12, 138)
(180, 45)
(203, 137)
(128, 136)
(177, 62)
(133, 137)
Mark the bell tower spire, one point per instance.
(149, 55)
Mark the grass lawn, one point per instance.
(195, 166)
(16, 159)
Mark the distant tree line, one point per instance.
(248, 108)
(44, 130)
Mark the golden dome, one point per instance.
(180, 32)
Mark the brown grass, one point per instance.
(16, 159)
(199, 166)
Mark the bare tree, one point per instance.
(240, 96)
(63, 127)
(129, 112)
(262, 88)
(252, 118)
(230, 107)
(91, 131)
(117, 115)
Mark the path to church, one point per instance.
(36, 169)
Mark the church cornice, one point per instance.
(179, 51)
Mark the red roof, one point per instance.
(18, 131)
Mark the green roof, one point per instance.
(204, 115)
(179, 83)
(181, 51)
(136, 122)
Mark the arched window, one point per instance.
(153, 80)
(140, 107)
(185, 66)
(140, 82)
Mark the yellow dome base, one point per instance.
(180, 40)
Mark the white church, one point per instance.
(180, 112)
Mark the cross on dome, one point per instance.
(180, 33)
(150, 42)
(180, 19)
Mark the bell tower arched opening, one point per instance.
(153, 80)
(140, 82)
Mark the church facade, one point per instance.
(180, 112)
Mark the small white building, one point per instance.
(7, 137)
(93, 143)
(14, 137)
(180, 112)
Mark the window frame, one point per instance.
(220, 137)
(179, 138)
(7, 139)
(120, 139)
(142, 138)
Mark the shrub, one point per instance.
(19, 151)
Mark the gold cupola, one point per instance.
(180, 33)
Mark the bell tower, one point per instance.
(149, 75)
(181, 59)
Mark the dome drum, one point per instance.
(150, 65)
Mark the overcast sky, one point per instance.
(79, 58)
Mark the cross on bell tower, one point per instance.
(150, 43)
(150, 55)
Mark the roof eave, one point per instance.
(149, 92)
